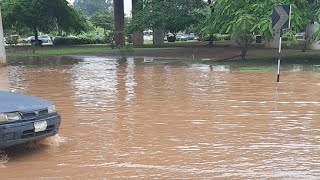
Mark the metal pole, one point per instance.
(280, 52)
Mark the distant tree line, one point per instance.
(240, 18)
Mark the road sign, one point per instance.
(281, 17)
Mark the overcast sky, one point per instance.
(127, 6)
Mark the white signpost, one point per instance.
(281, 17)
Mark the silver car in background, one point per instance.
(42, 40)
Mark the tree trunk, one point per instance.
(137, 37)
(211, 36)
(36, 36)
(210, 40)
(35, 32)
(158, 37)
(244, 52)
(3, 59)
(119, 23)
(36, 39)
(312, 28)
(274, 42)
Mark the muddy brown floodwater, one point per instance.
(171, 120)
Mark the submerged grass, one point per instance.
(57, 50)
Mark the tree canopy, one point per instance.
(91, 7)
(42, 15)
(246, 16)
(103, 20)
(243, 18)
(171, 15)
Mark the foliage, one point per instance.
(72, 21)
(76, 41)
(243, 18)
(41, 15)
(12, 40)
(171, 15)
(91, 7)
(103, 20)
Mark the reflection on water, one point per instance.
(3, 158)
(169, 119)
(4, 80)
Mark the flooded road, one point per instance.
(144, 119)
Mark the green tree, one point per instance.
(243, 18)
(91, 7)
(103, 20)
(313, 15)
(170, 15)
(42, 15)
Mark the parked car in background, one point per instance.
(181, 37)
(301, 36)
(42, 39)
(171, 37)
(26, 118)
(148, 35)
(192, 36)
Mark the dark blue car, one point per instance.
(26, 118)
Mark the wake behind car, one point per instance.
(26, 118)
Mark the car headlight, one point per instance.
(13, 116)
(52, 109)
(3, 118)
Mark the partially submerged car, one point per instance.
(26, 118)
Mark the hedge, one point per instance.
(76, 41)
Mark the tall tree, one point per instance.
(42, 15)
(243, 18)
(91, 7)
(103, 20)
(169, 15)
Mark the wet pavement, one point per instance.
(169, 119)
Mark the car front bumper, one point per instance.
(24, 131)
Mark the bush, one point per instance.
(217, 37)
(12, 40)
(76, 41)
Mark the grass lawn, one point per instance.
(17, 51)
(219, 50)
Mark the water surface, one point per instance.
(169, 119)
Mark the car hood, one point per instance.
(13, 102)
